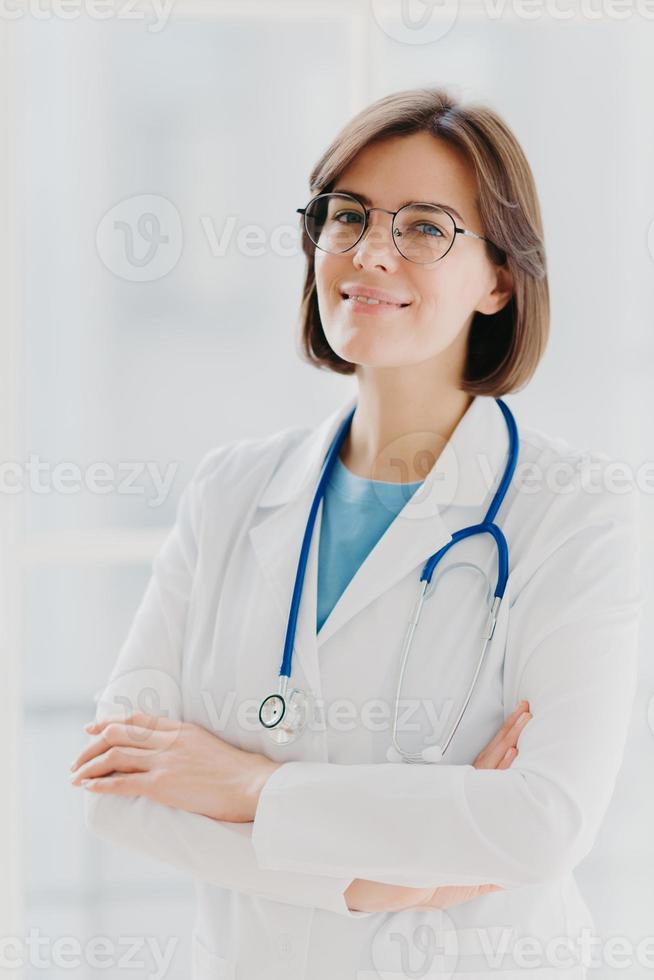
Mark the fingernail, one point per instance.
(73, 766)
(91, 725)
(523, 717)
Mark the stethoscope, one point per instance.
(285, 714)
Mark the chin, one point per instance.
(372, 353)
(373, 347)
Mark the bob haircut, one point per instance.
(504, 348)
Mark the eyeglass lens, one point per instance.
(423, 232)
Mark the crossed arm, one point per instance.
(184, 766)
(573, 637)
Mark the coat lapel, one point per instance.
(456, 492)
(283, 510)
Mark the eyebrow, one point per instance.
(368, 202)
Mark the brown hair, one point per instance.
(504, 348)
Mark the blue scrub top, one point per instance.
(355, 514)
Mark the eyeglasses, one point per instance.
(421, 233)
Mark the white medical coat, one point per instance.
(206, 643)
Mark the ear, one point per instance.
(500, 293)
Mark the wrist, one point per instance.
(428, 898)
(264, 770)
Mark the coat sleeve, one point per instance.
(147, 676)
(572, 652)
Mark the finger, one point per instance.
(154, 722)
(522, 707)
(508, 725)
(510, 741)
(120, 784)
(115, 760)
(494, 754)
(119, 734)
(513, 736)
(508, 758)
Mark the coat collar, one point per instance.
(463, 474)
(302, 465)
(457, 491)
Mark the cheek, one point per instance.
(326, 268)
(449, 293)
(326, 275)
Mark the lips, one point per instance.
(364, 301)
(380, 297)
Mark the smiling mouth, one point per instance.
(367, 301)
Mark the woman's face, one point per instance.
(441, 297)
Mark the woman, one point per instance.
(317, 857)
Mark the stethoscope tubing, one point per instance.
(486, 526)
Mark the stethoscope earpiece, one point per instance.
(433, 753)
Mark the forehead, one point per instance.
(417, 167)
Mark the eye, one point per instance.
(346, 214)
(431, 229)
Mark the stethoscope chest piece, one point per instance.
(272, 710)
(284, 717)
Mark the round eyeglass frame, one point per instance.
(394, 231)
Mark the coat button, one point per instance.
(285, 944)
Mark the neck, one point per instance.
(403, 420)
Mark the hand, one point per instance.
(373, 896)
(448, 895)
(502, 750)
(176, 763)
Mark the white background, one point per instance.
(223, 112)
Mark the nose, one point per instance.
(376, 247)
